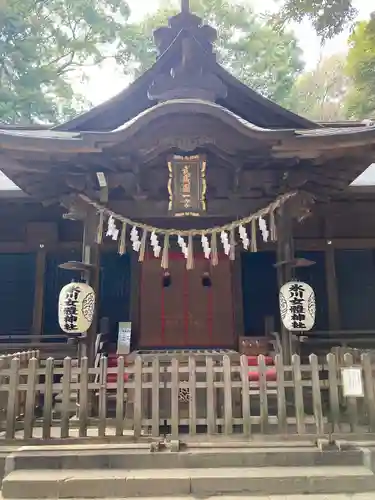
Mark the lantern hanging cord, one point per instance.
(175, 232)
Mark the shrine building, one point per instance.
(187, 201)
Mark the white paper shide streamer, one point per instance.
(246, 228)
(134, 238)
(244, 237)
(182, 244)
(263, 229)
(112, 230)
(206, 246)
(225, 241)
(155, 244)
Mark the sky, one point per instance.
(107, 81)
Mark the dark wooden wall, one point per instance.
(339, 237)
(17, 279)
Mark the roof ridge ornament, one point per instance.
(189, 75)
(189, 22)
(185, 5)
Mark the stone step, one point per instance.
(135, 457)
(119, 483)
(335, 496)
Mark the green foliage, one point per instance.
(320, 94)
(42, 42)
(266, 60)
(329, 17)
(360, 66)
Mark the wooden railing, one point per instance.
(171, 397)
(324, 340)
(48, 345)
(22, 359)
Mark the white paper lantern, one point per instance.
(76, 308)
(297, 306)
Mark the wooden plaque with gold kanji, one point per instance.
(187, 185)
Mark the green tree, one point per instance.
(42, 42)
(320, 94)
(360, 66)
(329, 17)
(265, 59)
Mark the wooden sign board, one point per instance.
(187, 185)
(352, 383)
(124, 338)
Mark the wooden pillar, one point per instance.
(91, 257)
(285, 256)
(135, 290)
(237, 296)
(331, 280)
(39, 292)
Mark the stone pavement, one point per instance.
(358, 496)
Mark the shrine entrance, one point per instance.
(186, 311)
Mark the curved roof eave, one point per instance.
(286, 139)
(186, 106)
(297, 120)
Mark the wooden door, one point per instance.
(186, 314)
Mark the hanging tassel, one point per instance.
(122, 242)
(232, 242)
(214, 256)
(165, 256)
(143, 246)
(99, 233)
(190, 256)
(253, 244)
(273, 225)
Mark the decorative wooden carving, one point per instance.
(190, 76)
(183, 142)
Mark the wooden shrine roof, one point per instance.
(187, 103)
(242, 100)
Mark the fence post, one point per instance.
(174, 397)
(210, 396)
(334, 402)
(65, 399)
(298, 394)
(12, 398)
(281, 400)
(83, 396)
(48, 396)
(30, 397)
(263, 395)
(155, 397)
(120, 396)
(103, 367)
(3, 394)
(317, 398)
(138, 397)
(246, 413)
(192, 396)
(228, 407)
(369, 389)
